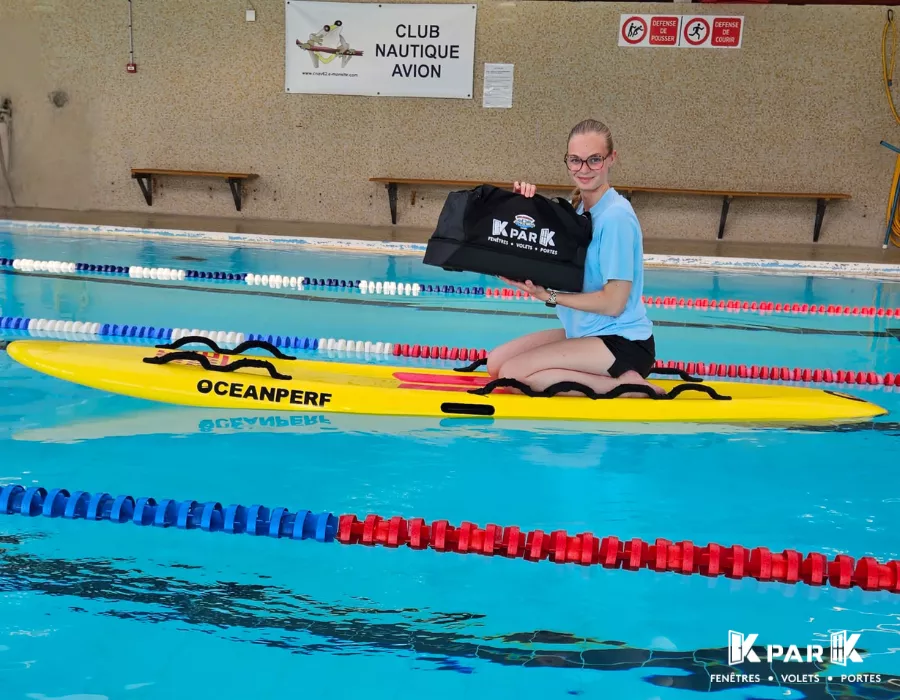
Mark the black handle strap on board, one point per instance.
(672, 371)
(613, 393)
(207, 365)
(471, 368)
(212, 345)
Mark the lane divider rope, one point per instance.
(795, 374)
(273, 281)
(70, 329)
(392, 288)
(769, 307)
(558, 546)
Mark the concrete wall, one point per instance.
(800, 107)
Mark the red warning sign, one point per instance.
(681, 31)
(664, 30)
(726, 31)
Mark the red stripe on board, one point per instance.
(439, 387)
(443, 379)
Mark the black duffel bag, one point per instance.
(498, 232)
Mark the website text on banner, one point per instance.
(383, 49)
(682, 31)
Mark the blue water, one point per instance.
(98, 610)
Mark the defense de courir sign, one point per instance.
(382, 49)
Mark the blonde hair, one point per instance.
(589, 126)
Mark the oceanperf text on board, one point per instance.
(271, 394)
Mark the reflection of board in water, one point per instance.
(178, 420)
(227, 608)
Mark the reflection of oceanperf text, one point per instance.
(348, 75)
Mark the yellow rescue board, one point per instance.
(381, 389)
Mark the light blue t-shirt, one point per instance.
(616, 253)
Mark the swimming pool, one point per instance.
(97, 610)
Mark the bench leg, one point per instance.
(145, 182)
(820, 214)
(235, 185)
(726, 202)
(392, 200)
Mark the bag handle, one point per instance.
(573, 212)
(474, 196)
(567, 205)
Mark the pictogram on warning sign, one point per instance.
(633, 31)
(696, 31)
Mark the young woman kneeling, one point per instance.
(607, 338)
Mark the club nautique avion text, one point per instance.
(433, 50)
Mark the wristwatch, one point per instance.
(551, 302)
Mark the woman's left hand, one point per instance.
(529, 287)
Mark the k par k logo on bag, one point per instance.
(522, 237)
(497, 232)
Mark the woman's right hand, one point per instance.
(524, 188)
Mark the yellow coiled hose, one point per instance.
(888, 75)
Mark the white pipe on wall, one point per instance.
(5, 123)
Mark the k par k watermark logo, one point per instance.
(842, 650)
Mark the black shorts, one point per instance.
(637, 355)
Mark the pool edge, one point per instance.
(695, 262)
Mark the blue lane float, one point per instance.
(113, 330)
(22, 323)
(209, 516)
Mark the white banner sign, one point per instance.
(398, 50)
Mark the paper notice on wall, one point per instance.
(498, 85)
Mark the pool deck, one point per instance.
(660, 251)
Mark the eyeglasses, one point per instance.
(594, 162)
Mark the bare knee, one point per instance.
(502, 355)
(494, 364)
(499, 359)
(508, 368)
(512, 370)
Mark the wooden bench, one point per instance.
(727, 196)
(144, 177)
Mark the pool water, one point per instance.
(100, 610)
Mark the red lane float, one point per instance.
(438, 352)
(662, 555)
(795, 374)
(770, 307)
